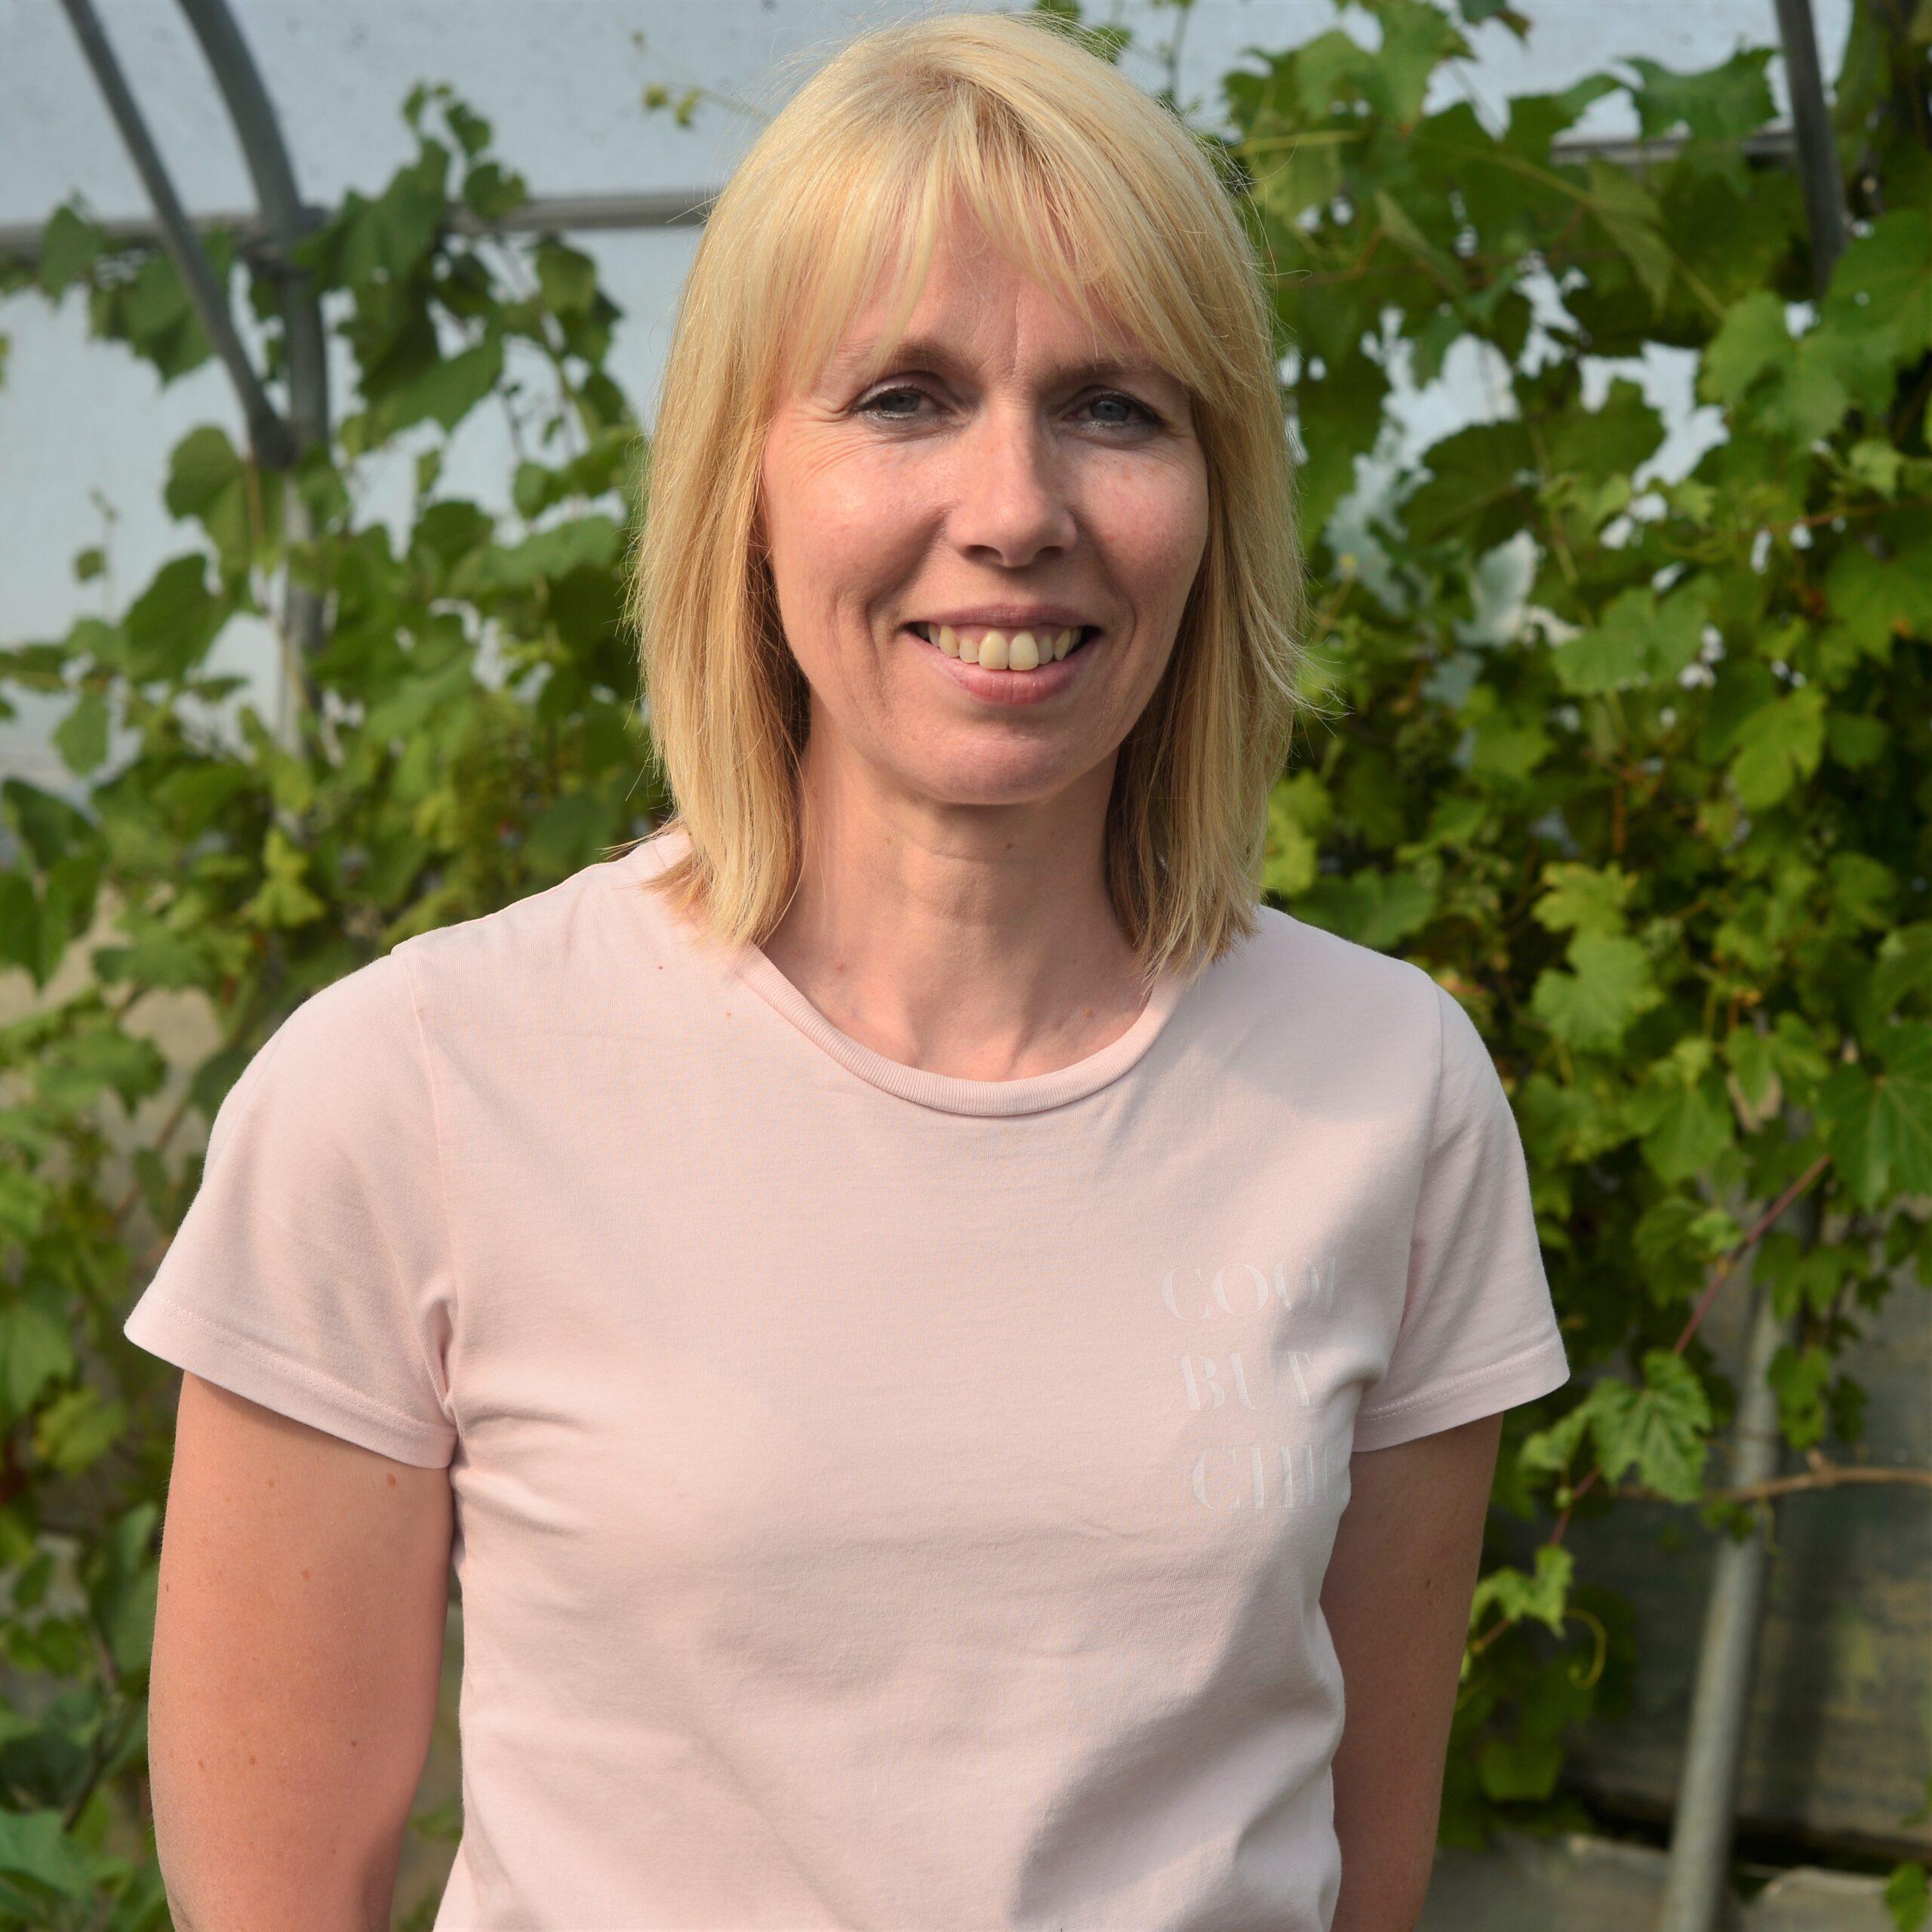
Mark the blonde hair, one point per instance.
(1097, 192)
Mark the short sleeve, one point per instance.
(311, 1273)
(1478, 1330)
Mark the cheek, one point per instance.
(832, 520)
(1154, 524)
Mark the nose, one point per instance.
(1010, 487)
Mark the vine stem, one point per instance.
(1723, 1271)
(1825, 1476)
(1720, 1275)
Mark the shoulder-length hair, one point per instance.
(1095, 192)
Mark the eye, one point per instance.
(871, 406)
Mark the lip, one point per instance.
(1017, 688)
(1010, 617)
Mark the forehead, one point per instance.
(950, 354)
(957, 318)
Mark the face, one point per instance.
(989, 469)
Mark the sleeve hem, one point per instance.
(1522, 1376)
(210, 1348)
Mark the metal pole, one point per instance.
(284, 220)
(1696, 1888)
(267, 433)
(1817, 150)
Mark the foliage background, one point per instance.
(1660, 820)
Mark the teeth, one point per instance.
(1020, 650)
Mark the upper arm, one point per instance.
(298, 1648)
(1396, 1598)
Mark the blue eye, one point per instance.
(870, 407)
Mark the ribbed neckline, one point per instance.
(947, 1093)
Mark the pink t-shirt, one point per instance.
(884, 1500)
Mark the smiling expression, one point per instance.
(935, 532)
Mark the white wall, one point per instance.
(83, 423)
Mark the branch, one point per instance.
(1821, 1476)
(1722, 1274)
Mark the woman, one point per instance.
(942, 1336)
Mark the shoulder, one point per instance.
(552, 958)
(1343, 1028)
(1305, 973)
(544, 960)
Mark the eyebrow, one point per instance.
(930, 349)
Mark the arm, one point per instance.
(1396, 1599)
(298, 1647)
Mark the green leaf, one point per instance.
(284, 899)
(566, 279)
(1751, 343)
(1855, 743)
(1513, 1769)
(170, 626)
(1800, 1379)
(70, 244)
(35, 1351)
(153, 315)
(1906, 1898)
(1902, 965)
(1416, 38)
(1401, 230)
(1637, 641)
(1883, 283)
(1660, 1428)
(1724, 103)
(1607, 443)
(22, 938)
(492, 191)
(1542, 1598)
(1880, 601)
(1290, 861)
(1878, 1126)
(1379, 910)
(472, 131)
(1684, 1114)
(1674, 1239)
(75, 1431)
(80, 738)
(49, 827)
(1778, 744)
(446, 391)
(1864, 890)
(36, 1847)
(1585, 899)
(1472, 475)
(594, 542)
(1628, 214)
(1591, 1008)
(222, 490)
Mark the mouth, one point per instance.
(1044, 646)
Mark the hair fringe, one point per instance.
(1103, 195)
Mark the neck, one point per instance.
(975, 941)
